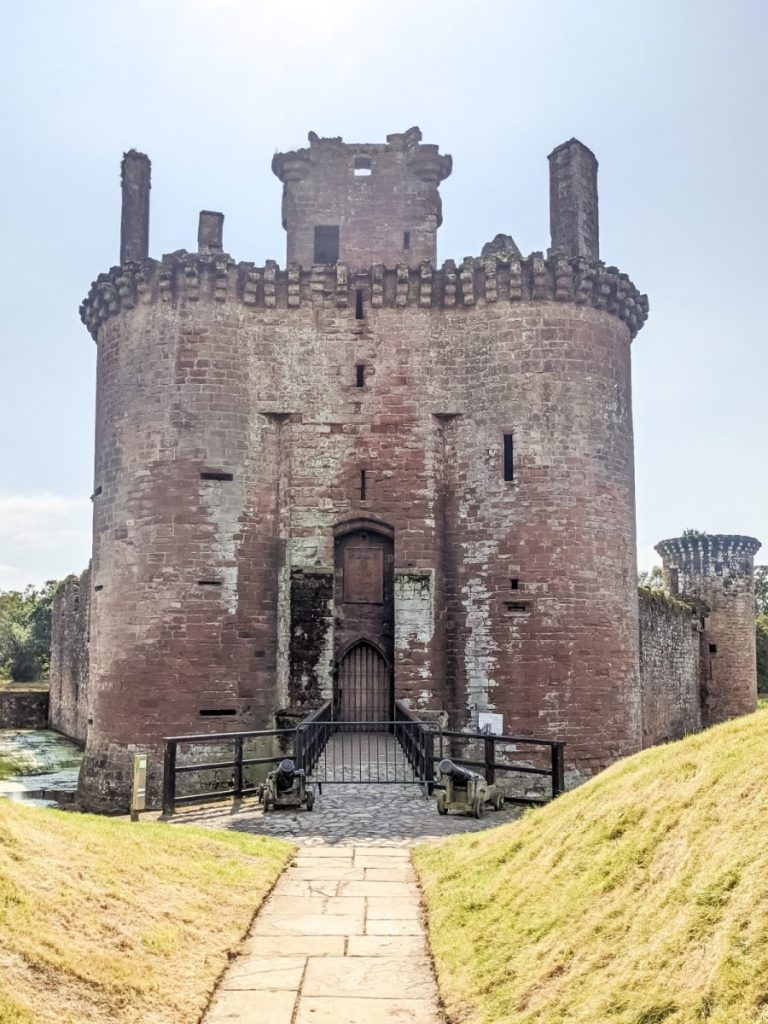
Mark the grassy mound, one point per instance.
(103, 921)
(640, 898)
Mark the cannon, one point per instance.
(465, 790)
(287, 786)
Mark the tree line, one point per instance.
(25, 627)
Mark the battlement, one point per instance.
(422, 159)
(499, 276)
(707, 553)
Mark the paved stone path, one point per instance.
(339, 941)
(359, 815)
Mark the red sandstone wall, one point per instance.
(69, 675)
(670, 668)
(718, 570)
(270, 395)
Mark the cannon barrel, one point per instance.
(456, 771)
(286, 767)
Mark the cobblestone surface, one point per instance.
(352, 814)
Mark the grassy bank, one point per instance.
(640, 898)
(106, 922)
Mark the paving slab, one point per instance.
(252, 1008)
(293, 945)
(376, 976)
(328, 1010)
(387, 945)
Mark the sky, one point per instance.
(669, 95)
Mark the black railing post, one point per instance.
(238, 768)
(169, 778)
(429, 760)
(490, 756)
(298, 749)
(558, 769)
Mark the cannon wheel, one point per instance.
(479, 807)
(498, 801)
(442, 804)
(310, 800)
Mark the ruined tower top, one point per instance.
(362, 203)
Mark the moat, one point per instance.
(46, 766)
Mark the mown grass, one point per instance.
(640, 898)
(108, 922)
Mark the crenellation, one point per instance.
(493, 278)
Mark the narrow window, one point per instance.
(99, 586)
(713, 648)
(360, 375)
(362, 166)
(97, 492)
(509, 458)
(406, 239)
(326, 244)
(362, 485)
(216, 712)
(514, 584)
(215, 474)
(359, 304)
(209, 583)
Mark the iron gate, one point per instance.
(363, 688)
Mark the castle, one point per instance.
(367, 476)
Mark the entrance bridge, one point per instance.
(402, 751)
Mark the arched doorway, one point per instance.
(364, 685)
(364, 620)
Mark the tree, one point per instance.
(695, 533)
(761, 589)
(761, 636)
(25, 632)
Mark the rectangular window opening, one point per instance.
(209, 583)
(713, 648)
(359, 304)
(211, 474)
(362, 485)
(360, 375)
(97, 492)
(509, 458)
(216, 712)
(99, 586)
(362, 168)
(517, 607)
(514, 584)
(406, 239)
(326, 244)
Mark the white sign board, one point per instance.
(490, 722)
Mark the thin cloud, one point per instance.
(42, 537)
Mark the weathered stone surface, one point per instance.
(23, 709)
(70, 641)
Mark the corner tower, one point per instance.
(362, 203)
(718, 570)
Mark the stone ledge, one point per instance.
(496, 277)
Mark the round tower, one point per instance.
(718, 570)
(363, 470)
